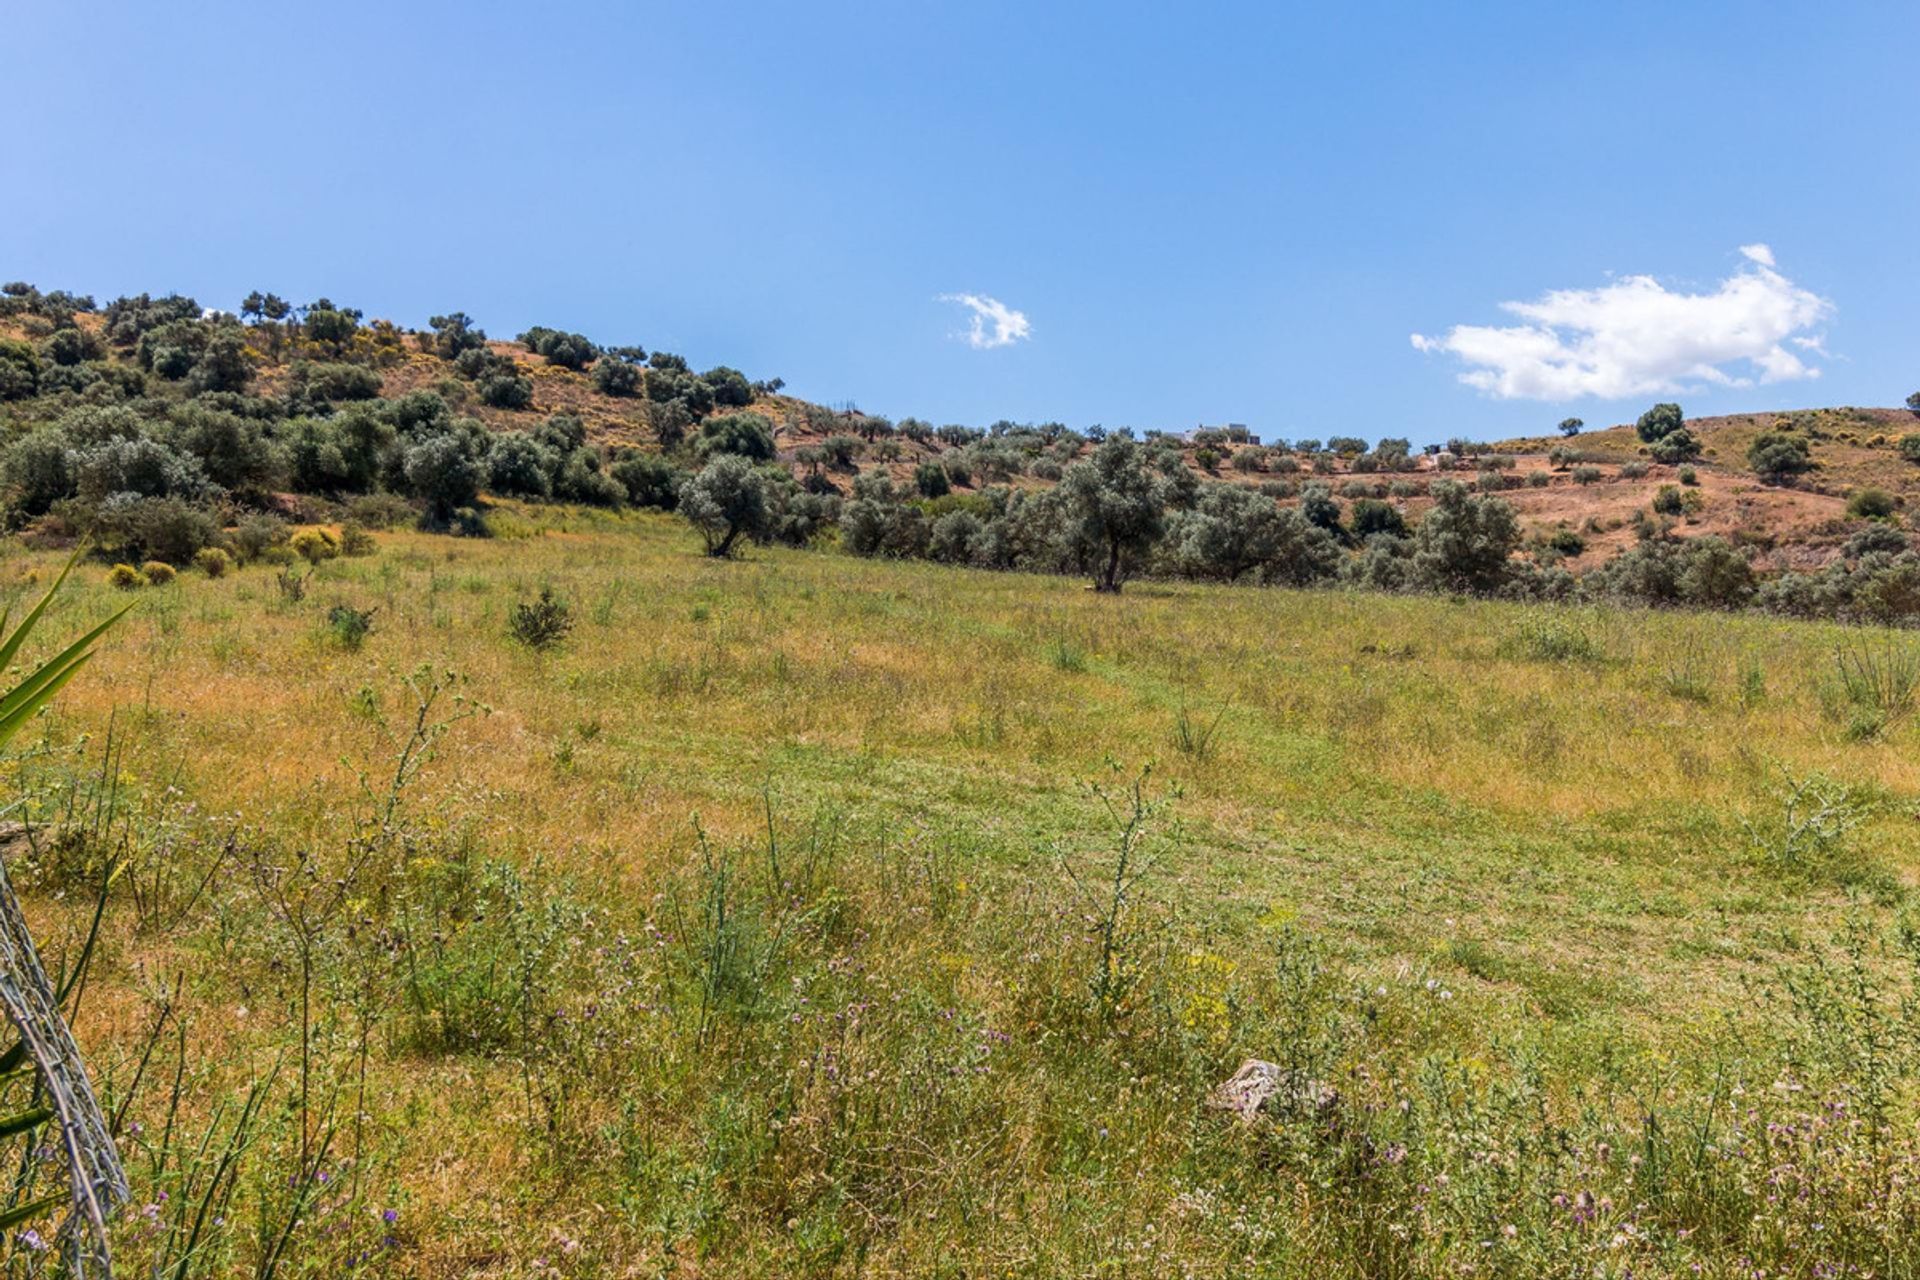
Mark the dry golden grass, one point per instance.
(1561, 841)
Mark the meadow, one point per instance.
(809, 915)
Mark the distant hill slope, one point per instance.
(1598, 485)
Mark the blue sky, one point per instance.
(1218, 213)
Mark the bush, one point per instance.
(356, 541)
(1465, 542)
(1549, 637)
(158, 573)
(212, 561)
(1371, 516)
(1567, 542)
(649, 480)
(440, 470)
(1586, 475)
(314, 545)
(1689, 476)
(1870, 504)
(505, 391)
(1777, 456)
(1660, 421)
(169, 529)
(744, 435)
(615, 377)
(125, 577)
(349, 626)
(1635, 470)
(259, 537)
(1675, 447)
(1910, 446)
(541, 624)
(1667, 501)
(930, 478)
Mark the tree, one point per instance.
(1675, 447)
(517, 464)
(1320, 508)
(650, 480)
(1913, 403)
(1571, 427)
(455, 333)
(930, 478)
(746, 434)
(1661, 420)
(1465, 542)
(615, 377)
(1777, 456)
(1371, 516)
(19, 370)
(440, 470)
(726, 501)
(505, 390)
(1230, 531)
(1115, 508)
(729, 386)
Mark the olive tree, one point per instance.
(726, 501)
(1465, 542)
(1115, 509)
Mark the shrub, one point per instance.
(356, 541)
(1660, 421)
(1586, 475)
(1567, 542)
(744, 435)
(440, 470)
(259, 537)
(518, 464)
(1870, 504)
(1667, 501)
(1910, 445)
(349, 626)
(1371, 516)
(1465, 542)
(125, 577)
(505, 391)
(615, 377)
(315, 545)
(1689, 476)
(542, 623)
(1777, 456)
(158, 573)
(930, 478)
(1674, 447)
(167, 529)
(212, 561)
(1635, 470)
(1549, 637)
(649, 479)
(730, 387)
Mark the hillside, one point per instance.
(1580, 502)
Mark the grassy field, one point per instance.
(776, 923)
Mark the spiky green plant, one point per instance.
(17, 706)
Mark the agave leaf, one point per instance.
(24, 1121)
(14, 1217)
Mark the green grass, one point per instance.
(751, 930)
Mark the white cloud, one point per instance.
(1636, 337)
(992, 323)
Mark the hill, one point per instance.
(318, 415)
